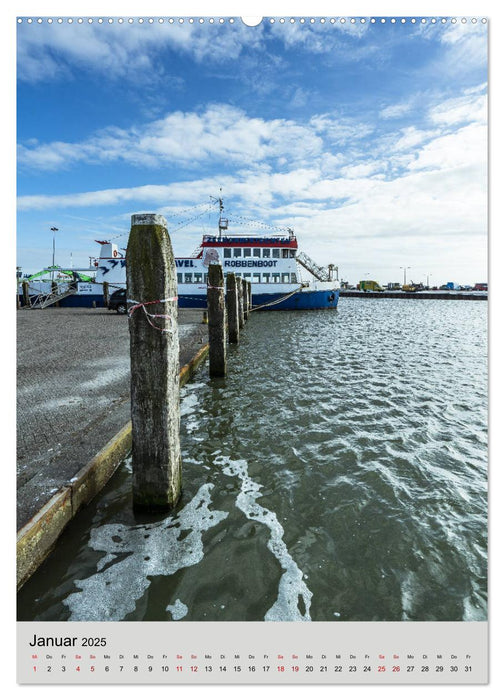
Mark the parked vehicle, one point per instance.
(369, 286)
(117, 301)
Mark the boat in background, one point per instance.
(272, 263)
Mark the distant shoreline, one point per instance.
(481, 296)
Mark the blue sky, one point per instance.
(368, 139)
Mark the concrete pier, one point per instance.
(73, 392)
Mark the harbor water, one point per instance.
(338, 473)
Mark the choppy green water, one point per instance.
(338, 473)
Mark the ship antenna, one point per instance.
(223, 223)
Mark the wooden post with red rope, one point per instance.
(154, 353)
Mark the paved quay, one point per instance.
(73, 386)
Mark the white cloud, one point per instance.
(131, 51)
(396, 110)
(340, 130)
(469, 108)
(466, 148)
(221, 132)
(319, 38)
(411, 137)
(363, 169)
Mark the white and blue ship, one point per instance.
(272, 263)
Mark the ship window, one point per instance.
(266, 252)
(205, 278)
(247, 275)
(256, 277)
(236, 252)
(257, 252)
(276, 253)
(247, 252)
(227, 252)
(198, 277)
(285, 253)
(293, 277)
(188, 277)
(276, 277)
(285, 277)
(179, 277)
(266, 277)
(292, 253)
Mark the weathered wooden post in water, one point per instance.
(249, 296)
(245, 299)
(26, 294)
(106, 296)
(232, 308)
(216, 322)
(154, 352)
(239, 286)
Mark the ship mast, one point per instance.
(223, 223)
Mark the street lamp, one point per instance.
(53, 229)
(404, 268)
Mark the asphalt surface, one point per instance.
(73, 392)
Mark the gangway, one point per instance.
(323, 274)
(42, 301)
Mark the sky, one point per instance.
(368, 139)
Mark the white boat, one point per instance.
(272, 263)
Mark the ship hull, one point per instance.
(304, 300)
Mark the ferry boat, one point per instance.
(270, 262)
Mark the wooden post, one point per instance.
(54, 290)
(249, 296)
(245, 299)
(239, 286)
(26, 294)
(232, 308)
(154, 352)
(216, 321)
(106, 295)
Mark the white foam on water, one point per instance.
(178, 610)
(408, 595)
(134, 553)
(291, 586)
(188, 404)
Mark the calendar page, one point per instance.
(252, 364)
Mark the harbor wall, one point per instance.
(414, 295)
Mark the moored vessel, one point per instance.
(272, 263)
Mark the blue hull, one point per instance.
(300, 300)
